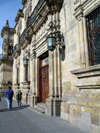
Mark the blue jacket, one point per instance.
(9, 94)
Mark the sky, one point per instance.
(8, 11)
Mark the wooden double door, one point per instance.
(43, 82)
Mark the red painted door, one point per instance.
(44, 83)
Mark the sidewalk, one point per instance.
(24, 120)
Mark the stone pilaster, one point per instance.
(33, 96)
(53, 103)
(81, 43)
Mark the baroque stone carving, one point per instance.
(84, 7)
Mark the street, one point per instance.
(25, 120)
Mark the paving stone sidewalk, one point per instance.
(25, 120)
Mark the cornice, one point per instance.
(23, 2)
(55, 6)
(88, 78)
(87, 72)
(41, 11)
(25, 42)
(19, 14)
(84, 7)
(6, 29)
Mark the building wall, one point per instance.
(80, 90)
(74, 88)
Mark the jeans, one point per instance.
(9, 102)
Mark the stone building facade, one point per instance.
(66, 76)
(6, 58)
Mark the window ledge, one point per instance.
(25, 82)
(17, 84)
(87, 72)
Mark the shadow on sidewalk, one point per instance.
(14, 108)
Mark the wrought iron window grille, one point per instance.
(93, 36)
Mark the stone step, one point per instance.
(39, 108)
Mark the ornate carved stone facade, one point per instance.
(63, 79)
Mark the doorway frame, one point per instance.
(40, 58)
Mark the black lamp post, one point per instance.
(25, 61)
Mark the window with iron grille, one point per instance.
(93, 36)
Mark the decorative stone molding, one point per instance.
(26, 54)
(38, 17)
(7, 30)
(87, 72)
(19, 14)
(33, 55)
(30, 30)
(18, 62)
(55, 6)
(16, 51)
(25, 42)
(16, 85)
(79, 13)
(25, 39)
(84, 7)
(88, 78)
(26, 84)
(6, 69)
(88, 86)
(23, 2)
(41, 11)
(7, 83)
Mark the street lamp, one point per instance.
(54, 37)
(25, 61)
(51, 41)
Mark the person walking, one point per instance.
(19, 97)
(9, 95)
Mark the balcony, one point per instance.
(34, 14)
(24, 39)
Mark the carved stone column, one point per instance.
(49, 101)
(53, 103)
(57, 99)
(34, 75)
